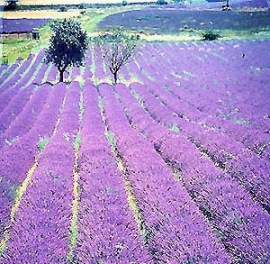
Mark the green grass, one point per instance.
(174, 128)
(16, 47)
(77, 143)
(111, 138)
(91, 19)
(42, 142)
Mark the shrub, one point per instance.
(81, 6)
(210, 35)
(162, 2)
(63, 9)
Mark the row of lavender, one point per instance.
(108, 232)
(174, 229)
(171, 230)
(224, 202)
(242, 66)
(22, 72)
(236, 160)
(242, 115)
(34, 70)
(36, 195)
(239, 223)
(38, 227)
(20, 84)
(165, 105)
(237, 91)
(18, 158)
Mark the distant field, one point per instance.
(156, 20)
(21, 25)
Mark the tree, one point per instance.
(68, 45)
(118, 47)
(11, 4)
(226, 6)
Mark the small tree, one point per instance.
(118, 47)
(226, 6)
(210, 35)
(68, 45)
(11, 4)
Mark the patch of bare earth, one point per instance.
(50, 13)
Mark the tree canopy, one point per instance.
(68, 44)
(10, 4)
(118, 48)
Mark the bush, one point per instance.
(210, 35)
(161, 2)
(226, 8)
(124, 2)
(81, 6)
(63, 9)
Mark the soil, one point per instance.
(40, 14)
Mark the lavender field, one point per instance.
(174, 20)
(171, 165)
(9, 26)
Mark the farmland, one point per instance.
(169, 165)
(174, 20)
(144, 171)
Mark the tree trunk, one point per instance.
(61, 76)
(115, 77)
